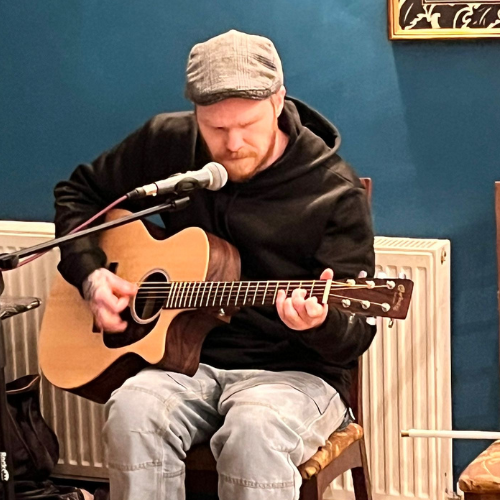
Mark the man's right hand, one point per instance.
(108, 295)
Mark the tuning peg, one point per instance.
(371, 320)
(381, 275)
(362, 274)
(402, 276)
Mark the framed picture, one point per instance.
(426, 19)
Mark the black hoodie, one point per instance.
(306, 212)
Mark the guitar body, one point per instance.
(77, 357)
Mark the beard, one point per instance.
(244, 164)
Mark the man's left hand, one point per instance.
(299, 313)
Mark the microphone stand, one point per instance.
(6, 462)
(11, 261)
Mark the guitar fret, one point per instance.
(169, 294)
(184, 288)
(191, 293)
(203, 293)
(209, 292)
(237, 294)
(230, 293)
(178, 295)
(255, 294)
(197, 293)
(183, 294)
(174, 298)
(276, 292)
(215, 294)
(326, 293)
(246, 293)
(222, 294)
(265, 292)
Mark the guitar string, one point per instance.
(222, 297)
(244, 285)
(213, 303)
(212, 300)
(252, 289)
(259, 283)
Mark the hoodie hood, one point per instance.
(314, 121)
(313, 144)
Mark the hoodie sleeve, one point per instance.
(90, 188)
(347, 248)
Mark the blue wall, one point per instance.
(421, 118)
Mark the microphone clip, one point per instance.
(184, 187)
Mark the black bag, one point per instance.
(34, 446)
(46, 490)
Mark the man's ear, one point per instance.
(279, 100)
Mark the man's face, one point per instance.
(240, 134)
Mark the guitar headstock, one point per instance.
(385, 297)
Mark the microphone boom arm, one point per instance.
(11, 260)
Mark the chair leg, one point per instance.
(361, 476)
(310, 490)
(361, 491)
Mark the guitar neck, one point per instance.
(374, 297)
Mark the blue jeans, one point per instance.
(261, 425)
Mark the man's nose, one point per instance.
(234, 140)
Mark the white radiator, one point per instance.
(406, 373)
(77, 422)
(407, 380)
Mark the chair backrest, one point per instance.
(356, 393)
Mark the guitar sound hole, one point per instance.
(142, 317)
(150, 298)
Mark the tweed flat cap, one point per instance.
(233, 64)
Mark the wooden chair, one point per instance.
(481, 479)
(345, 450)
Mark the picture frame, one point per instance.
(438, 19)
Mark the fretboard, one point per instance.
(199, 294)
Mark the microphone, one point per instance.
(212, 176)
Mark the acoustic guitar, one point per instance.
(188, 284)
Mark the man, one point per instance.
(274, 383)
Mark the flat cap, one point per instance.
(233, 64)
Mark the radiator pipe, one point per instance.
(421, 433)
